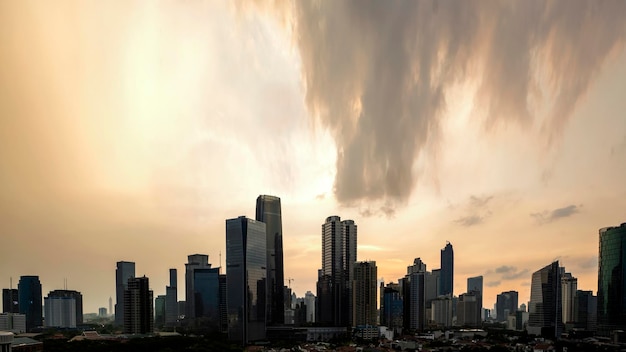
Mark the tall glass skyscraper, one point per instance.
(123, 272)
(339, 241)
(612, 280)
(30, 301)
(545, 316)
(268, 210)
(246, 264)
(446, 280)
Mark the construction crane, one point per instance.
(290, 280)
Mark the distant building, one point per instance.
(569, 286)
(223, 303)
(268, 211)
(246, 263)
(10, 300)
(475, 285)
(612, 280)
(467, 310)
(545, 314)
(30, 301)
(64, 309)
(506, 303)
(391, 307)
(364, 294)
(102, 312)
(585, 310)
(171, 299)
(13, 322)
(441, 309)
(309, 302)
(414, 292)
(446, 283)
(159, 311)
(182, 307)
(194, 262)
(138, 308)
(123, 272)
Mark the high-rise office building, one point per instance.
(30, 301)
(246, 263)
(475, 285)
(10, 300)
(268, 210)
(506, 303)
(612, 280)
(339, 242)
(309, 302)
(446, 281)
(123, 272)
(414, 292)
(64, 308)
(391, 306)
(171, 299)
(364, 294)
(441, 312)
(138, 308)
(194, 262)
(159, 310)
(585, 310)
(467, 312)
(545, 316)
(569, 286)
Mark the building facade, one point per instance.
(268, 211)
(506, 303)
(467, 312)
(364, 294)
(171, 299)
(446, 281)
(64, 309)
(246, 264)
(612, 280)
(13, 322)
(10, 300)
(569, 286)
(138, 307)
(124, 271)
(30, 301)
(159, 311)
(475, 285)
(545, 316)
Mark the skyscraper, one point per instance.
(194, 262)
(446, 281)
(60, 304)
(339, 240)
(171, 299)
(123, 272)
(475, 285)
(159, 310)
(545, 311)
(506, 303)
(414, 291)
(612, 280)
(268, 210)
(138, 308)
(10, 300)
(364, 293)
(30, 301)
(569, 286)
(246, 263)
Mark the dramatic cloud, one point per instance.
(377, 75)
(545, 216)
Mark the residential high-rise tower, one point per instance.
(446, 280)
(123, 272)
(138, 308)
(364, 293)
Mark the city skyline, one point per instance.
(135, 142)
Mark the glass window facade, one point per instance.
(612, 280)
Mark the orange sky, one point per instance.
(131, 131)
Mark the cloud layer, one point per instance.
(377, 75)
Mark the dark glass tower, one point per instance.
(506, 303)
(123, 272)
(246, 284)
(30, 301)
(10, 300)
(268, 210)
(446, 280)
(545, 316)
(612, 280)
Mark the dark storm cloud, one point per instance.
(376, 74)
(545, 216)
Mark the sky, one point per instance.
(132, 130)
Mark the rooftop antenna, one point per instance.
(11, 282)
(220, 259)
(290, 280)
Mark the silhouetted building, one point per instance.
(64, 309)
(446, 280)
(467, 312)
(268, 210)
(223, 304)
(391, 307)
(506, 303)
(30, 301)
(123, 272)
(339, 243)
(441, 312)
(10, 300)
(364, 293)
(612, 280)
(585, 310)
(206, 297)
(171, 299)
(475, 284)
(159, 310)
(246, 264)
(138, 308)
(13, 322)
(414, 293)
(102, 312)
(309, 302)
(545, 311)
(194, 262)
